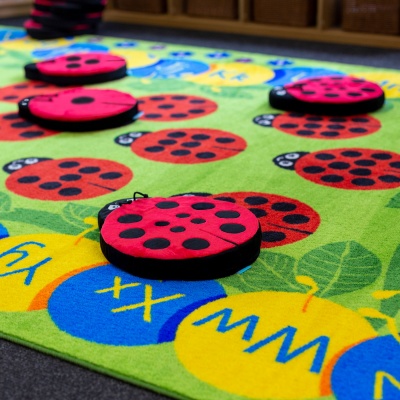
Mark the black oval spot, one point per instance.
(153, 115)
(133, 233)
(154, 149)
(313, 169)
(178, 97)
(70, 177)
(196, 111)
(82, 100)
(177, 135)
(206, 155)
(350, 153)
(354, 94)
(336, 126)
(31, 134)
(395, 164)
(67, 192)
(381, 156)
(332, 178)
(73, 58)
(365, 163)
(358, 130)
(229, 199)
(389, 178)
(339, 165)
(360, 171)
(183, 215)
(180, 152)
(232, 228)
(258, 212)
(197, 101)
(256, 200)
(203, 206)
(22, 124)
(110, 175)
(227, 214)
(296, 219)
(225, 140)
(363, 182)
(283, 206)
(195, 244)
(312, 126)
(360, 119)
(166, 106)
(89, 170)
(50, 185)
(73, 66)
(330, 133)
(69, 164)
(162, 223)
(191, 144)
(288, 126)
(178, 115)
(157, 98)
(325, 156)
(166, 205)
(200, 136)
(167, 141)
(305, 132)
(129, 218)
(314, 118)
(177, 229)
(198, 221)
(331, 95)
(272, 236)
(29, 179)
(156, 243)
(92, 61)
(11, 116)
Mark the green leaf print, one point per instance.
(5, 202)
(75, 214)
(227, 92)
(271, 271)
(394, 202)
(391, 306)
(340, 267)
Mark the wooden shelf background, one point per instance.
(14, 8)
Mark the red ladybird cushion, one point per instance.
(78, 69)
(330, 95)
(183, 238)
(80, 109)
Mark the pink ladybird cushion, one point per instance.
(330, 95)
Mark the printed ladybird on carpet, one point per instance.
(188, 237)
(65, 179)
(348, 168)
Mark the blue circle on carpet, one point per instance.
(11, 34)
(357, 371)
(3, 232)
(71, 49)
(292, 74)
(106, 305)
(170, 69)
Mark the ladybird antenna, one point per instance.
(143, 195)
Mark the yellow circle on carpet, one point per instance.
(233, 74)
(388, 81)
(267, 344)
(28, 45)
(29, 263)
(136, 58)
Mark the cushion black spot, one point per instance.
(195, 244)
(165, 205)
(129, 218)
(156, 244)
(232, 228)
(227, 214)
(132, 233)
(83, 100)
(203, 206)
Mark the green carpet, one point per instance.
(316, 316)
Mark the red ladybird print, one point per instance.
(319, 126)
(13, 128)
(21, 90)
(348, 168)
(188, 146)
(78, 69)
(175, 107)
(68, 179)
(186, 237)
(283, 220)
(330, 95)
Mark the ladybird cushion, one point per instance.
(330, 95)
(80, 109)
(78, 69)
(181, 238)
